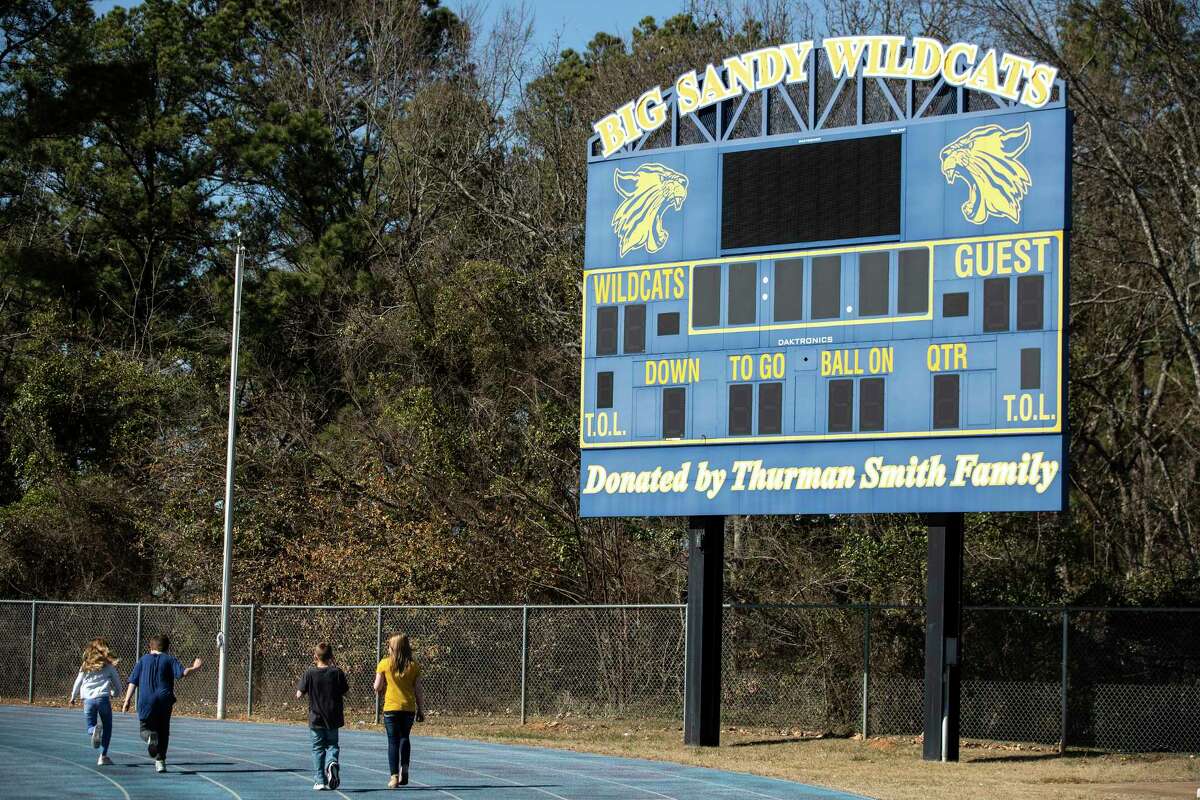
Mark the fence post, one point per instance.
(250, 668)
(524, 657)
(32, 647)
(683, 698)
(137, 640)
(1062, 742)
(866, 674)
(378, 650)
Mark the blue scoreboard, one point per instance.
(800, 304)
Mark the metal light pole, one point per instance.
(227, 561)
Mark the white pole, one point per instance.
(227, 560)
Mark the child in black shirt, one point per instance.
(325, 684)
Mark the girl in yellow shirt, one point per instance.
(398, 681)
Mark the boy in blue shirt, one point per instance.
(154, 676)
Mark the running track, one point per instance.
(48, 755)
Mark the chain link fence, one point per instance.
(793, 667)
(1116, 679)
(1011, 670)
(894, 671)
(1133, 676)
(597, 661)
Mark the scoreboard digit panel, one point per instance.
(984, 308)
(866, 321)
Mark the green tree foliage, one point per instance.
(411, 197)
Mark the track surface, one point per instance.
(47, 754)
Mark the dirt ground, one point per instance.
(888, 768)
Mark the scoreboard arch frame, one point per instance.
(923, 100)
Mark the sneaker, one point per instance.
(160, 765)
(393, 781)
(404, 776)
(152, 744)
(333, 777)
(103, 761)
(319, 787)
(97, 734)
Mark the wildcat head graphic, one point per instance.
(647, 192)
(986, 160)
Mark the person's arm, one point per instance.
(420, 699)
(114, 681)
(380, 684)
(134, 677)
(302, 687)
(197, 664)
(128, 694)
(75, 688)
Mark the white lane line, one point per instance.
(440, 765)
(174, 746)
(707, 782)
(592, 777)
(120, 788)
(301, 776)
(492, 750)
(607, 780)
(363, 767)
(197, 773)
(147, 758)
(567, 755)
(572, 756)
(427, 786)
(489, 775)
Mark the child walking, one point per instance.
(398, 681)
(154, 676)
(97, 681)
(326, 686)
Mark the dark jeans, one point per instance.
(160, 723)
(99, 707)
(398, 725)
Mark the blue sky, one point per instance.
(573, 22)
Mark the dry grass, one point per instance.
(888, 768)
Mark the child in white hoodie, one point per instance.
(97, 681)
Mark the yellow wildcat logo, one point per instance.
(647, 191)
(986, 159)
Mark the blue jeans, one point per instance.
(323, 740)
(398, 725)
(102, 707)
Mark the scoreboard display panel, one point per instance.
(853, 320)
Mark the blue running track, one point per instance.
(47, 754)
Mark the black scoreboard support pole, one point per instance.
(705, 598)
(943, 636)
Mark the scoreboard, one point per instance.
(856, 319)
